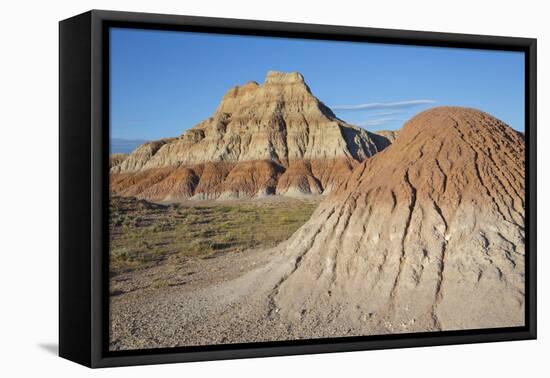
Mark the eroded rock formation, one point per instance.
(426, 235)
(116, 159)
(390, 135)
(274, 138)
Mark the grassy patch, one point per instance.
(160, 283)
(144, 234)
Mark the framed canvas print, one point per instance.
(234, 188)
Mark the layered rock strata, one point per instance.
(274, 138)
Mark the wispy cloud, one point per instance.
(386, 113)
(380, 121)
(383, 105)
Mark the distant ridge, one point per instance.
(124, 146)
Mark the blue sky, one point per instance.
(163, 83)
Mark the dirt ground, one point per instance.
(171, 265)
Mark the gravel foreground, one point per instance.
(219, 300)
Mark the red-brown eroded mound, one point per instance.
(426, 235)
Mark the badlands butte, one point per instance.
(422, 230)
(274, 138)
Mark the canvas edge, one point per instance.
(99, 356)
(75, 336)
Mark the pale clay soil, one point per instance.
(224, 299)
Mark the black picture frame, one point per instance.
(83, 182)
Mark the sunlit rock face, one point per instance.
(274, 138)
